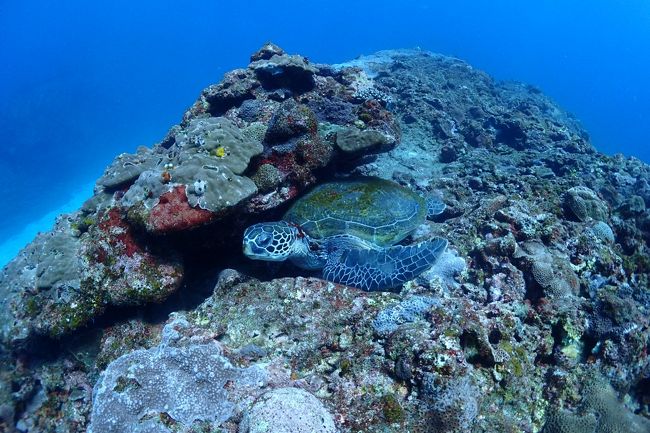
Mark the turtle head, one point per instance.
(273, 242)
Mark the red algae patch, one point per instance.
(173, 213)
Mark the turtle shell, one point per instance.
(373, 209)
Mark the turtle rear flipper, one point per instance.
(378, 270)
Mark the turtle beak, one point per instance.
(247, 248)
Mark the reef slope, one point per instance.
(535, 319)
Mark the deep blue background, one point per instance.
(83, 81)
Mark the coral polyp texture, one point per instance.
(139, 312)
(145, 390)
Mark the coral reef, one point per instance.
(67, 277)
(535, 319)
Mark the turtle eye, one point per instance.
(264, 239)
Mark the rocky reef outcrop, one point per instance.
(139, 313)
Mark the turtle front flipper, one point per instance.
(379, 270)
(435, 206)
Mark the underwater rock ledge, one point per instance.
(535, 319)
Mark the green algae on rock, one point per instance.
(63, 280)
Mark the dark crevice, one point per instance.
(512, 135)
(494, 337)
(219, 106)
(476, 351)
(589, 345)
(641, 389)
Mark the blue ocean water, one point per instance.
(83, 81)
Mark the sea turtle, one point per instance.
(349, 229)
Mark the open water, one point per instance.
(81, 82)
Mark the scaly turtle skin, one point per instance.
(349, 230)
